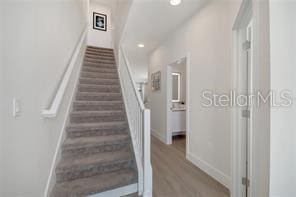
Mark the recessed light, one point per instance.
(175, 2)
(141, 45)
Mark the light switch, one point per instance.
(16, 105)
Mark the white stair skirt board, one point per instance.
(121, 191)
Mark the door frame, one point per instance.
(237, 137)
(168, 72)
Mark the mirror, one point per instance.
(176, 87)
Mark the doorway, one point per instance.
(242, 114)
(177, 103)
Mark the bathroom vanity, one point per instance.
(178, 120)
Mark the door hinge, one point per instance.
(246, 113)
(246, 181)
(247, 45)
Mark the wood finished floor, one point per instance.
(174, 176)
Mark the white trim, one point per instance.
(244, 15)
(210, 170)
(236, 165)
(188, 68)
(51, 177)
(156, 134)
(168, 101)
(242, 21)
(118, 192)
(55, 106)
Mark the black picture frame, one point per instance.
(99, 21)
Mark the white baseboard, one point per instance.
(204, 166)
(156, 134)
(210, 170)
(118, 192)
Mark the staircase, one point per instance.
(97, 154)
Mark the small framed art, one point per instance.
(155, 81)
(100, 21)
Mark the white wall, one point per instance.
(139, 64)
(138, 60)
(283, 72)
(134, 33)
(96, 37)
(207, 37)
(40, 37)
(120, 17)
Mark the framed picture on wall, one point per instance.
(155, 81)
(100, 21)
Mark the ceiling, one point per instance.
(107, 3)
(151, 21)
(111, 4)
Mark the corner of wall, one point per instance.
(210, 170)
(158, 135)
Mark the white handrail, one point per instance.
(54, 108)
(139, 124)
(132, 79)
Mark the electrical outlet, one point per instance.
(16, 107)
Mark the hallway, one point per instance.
(174, 176)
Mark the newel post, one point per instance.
(147, 155)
